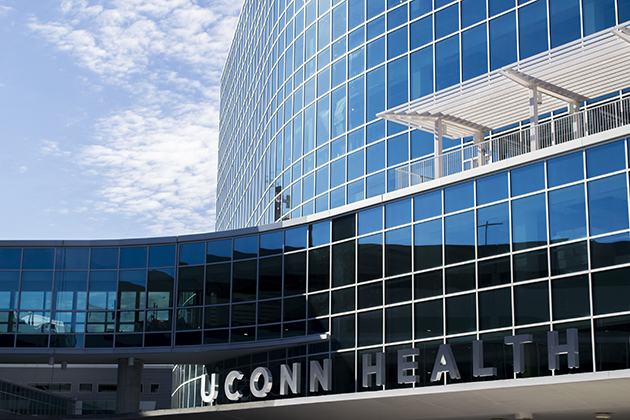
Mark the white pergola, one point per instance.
(561, 77)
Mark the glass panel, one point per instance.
(611, 342)
(398, 290)
(295, 239)
(71, 290)
(608, 204)
(370, 220)
(502, 38)
(36, 290)
(565, 169)
(447, 62)
(398, 251)
(532, 34)
(294, 274)
(10, 259)
(319, 269)
(530, 265)
(133, 257)
(429, 319)
(459, 237)
(427, 205)
(531, 303)
(610, 250)
(610, 291)
(570, 258)
(343, 228)
(270, 278)
(9, 286)
(398, 213)
(104, 258)
(570, 297)
(343, 260)
(605, 159)
(598, 15)
(189, 319)
(244, 314)
(495, 309)
(428, 244)
(460, 279)
(343, 300)
(461, 314)
(218, 283)
(218, 251)
(370, 295)
(191, 253)
(428, 284)
(370, 326)
(160, 288)
(102, 291)
(38, 259)
(421, 72)
(567, 214)
(370, 260)
(271, 243)
(527, 179)
(493, 272)
(246, 247)
(342, 331)
(473, 11)
(398, 324)
(458, 197)
(132, 288)
(493, 230)
(421, 32)
(71, 259)
(159, 320)
(162, 256)
(564, 18)
(529, 222)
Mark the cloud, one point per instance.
(4, 10)
(49, 147)
(155, 160)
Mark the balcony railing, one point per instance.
(547, 133)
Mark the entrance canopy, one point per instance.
(562, 77)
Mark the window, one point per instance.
(107, 387)
(85, 387)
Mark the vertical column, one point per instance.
(438, 132)
(482, 148)
(533, 118)
(574, 107)
(128, 388)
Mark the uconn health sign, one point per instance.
(320, 374)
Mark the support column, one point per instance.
(574, 107)
(438, 132)
(128, 388)
(481, 148)
(533, 118)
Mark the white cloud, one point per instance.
(157, 159)
(22, 169)
(4, 10)
(49, 147)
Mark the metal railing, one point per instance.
(547, 133)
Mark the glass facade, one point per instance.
(304, 81)
(17, 399)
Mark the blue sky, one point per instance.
(109, 116)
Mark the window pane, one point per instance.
(598, 15)
(460, 237)
(532, 29)
(398, 290)
(502, 39)
(428, 284)
(493, 272)
(564, 18)
(610, 250)
(447, 62)
(370, 295)
(370, 261)
(495, 309)
(219, 251)
(530, 265)
(610, 291)
(427, 205)
(569, 258)
(446, 21)
(398, 251)
(190, 253)
(570, 297)
(567, 214)
(370, 220)
(218, 282)
(319, 267)
(429, 319)
(271, 243)
(528, 179)
(460, 278)
(398, 324)
(421, 32)
(473, 11)
(492, 188)
(132, 288)
(421, 77)
(246, 247)
(39, 259)
(458, 197)
(565, 169)
(133, 257)
(294, 274)
(605, 159)
(428, 244)
(370, 326)
(461, 314)
(531, 303)
(474, 52)
(72, 259)
(493, 231)
(343, 260)
(608, 204)
(398, 213)
(529, 222)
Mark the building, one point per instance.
(429, 214)
(18, 399)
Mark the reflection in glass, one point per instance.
(319, 233)
(131, 289)
(319, 268)
(529, 222)
(294, 274)
(72, 258)
(71, 290)
(605, 159)
(10, 258)
(608, 204)
(493, 230)
(570, 297)
(428, 244)
(343, 300)
(460, 278)
(102, 291)
(243, 281)
(189, 319)
(370, 220)
(271, 243)
(159, 320)
(495, 309)
(370, 295)
(567, 214)
(528, 179)
(398, 324)
(458, 197)
(569, 258)
(427, 205)
(428, 284)
(530, 265)
(493, 272)
(398, 213)
(162, 256)
(244, 314)
(33, 322)
(246, 247)
(269, 280)
(160, 288)
(295, 239)
(135, 257)
(9, 286)
(38, 259)
(104, 258)
(461, 314)
(343, 257)
(609, 250)
(218, 283)
(492, 188)
(343, 228)
(610, 291)
(99, 322)
(531, 303)
(130, 321)
(218, 251)
(398, 290)
(190, 286)
(36, 290)
(370, 259)
(370, 326)
(191, 254)
(565, 169)
(398, 251)
(459, 233)
(269, 311)
(429, 319)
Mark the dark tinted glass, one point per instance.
(428, 244)
(428, 284)
(608, 204)
(216, 316)
(269, 311)
(38, 259)
(370, 220)
(320, 233)
(10, 259)
(104, 258)
(132, 287)
(9, 285)
(370, 262)
(343, 300)
(495, 309)
(459, 233)
(458, 197)
(72, 259)
(499, 6)
(398, 290)
(446, 21)
(528, 179)
(398, 324)
(398, 251)
(246, 247)
(610, 250)
(502, 40)
(529, 222)
(429, 319)
(564, 21)
(565, 169)
(610, 291)
(295, 273)
(492, 188)
(370, 295)
(243, 281)
(318, 305)
(427, 205)
(567, 213)
(243, 314)
(493, 272)
(343, 256)
(342, 331)
(531, 303)
(611, 342)
(460, 279)
(133, 257)
(160, 288)
(532, 20)
(219, 251)
(271, 243)
(294, 308)
(473, 11)
(570, 297)
(569, 258)
(493, 230)
(343, 228)
(530, 265)
(461, 314)
(218, 283)
(162, 256)
(370, 328)
(190, 286)
(474, 52)
(398, 213)
(598, 14)
(270, 278)
(605, 159)
(190, 254)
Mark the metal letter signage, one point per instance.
(228, 386)
(291, 378)
(444, 362)
(320, 374)
(571, 349)
(518, 342)
(403, 365)
(377, 369)
(477, 361)
(265, 374)
(213, 386)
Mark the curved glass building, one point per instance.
(428, 204)
(305, 80)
